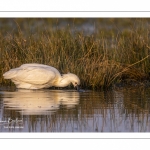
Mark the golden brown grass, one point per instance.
(100, 59)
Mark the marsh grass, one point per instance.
(101, 59)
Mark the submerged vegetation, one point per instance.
(102, 52)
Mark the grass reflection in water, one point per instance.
(124, 110)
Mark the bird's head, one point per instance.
(74, 79)
(69, 78)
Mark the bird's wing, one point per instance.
(35, 75)
(33, 65)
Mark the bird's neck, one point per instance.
(63, 81)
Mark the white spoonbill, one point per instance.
(38, 76)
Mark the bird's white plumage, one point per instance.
(37, 76)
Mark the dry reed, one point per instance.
(100, 59)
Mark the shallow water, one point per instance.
(123, 110)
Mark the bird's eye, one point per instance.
(75, 82)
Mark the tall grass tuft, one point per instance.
(100, 59)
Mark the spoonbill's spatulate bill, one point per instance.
(38, 76)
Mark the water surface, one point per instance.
(123, 110)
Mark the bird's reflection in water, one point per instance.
(39, 102)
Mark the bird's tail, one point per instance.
(10, 74)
